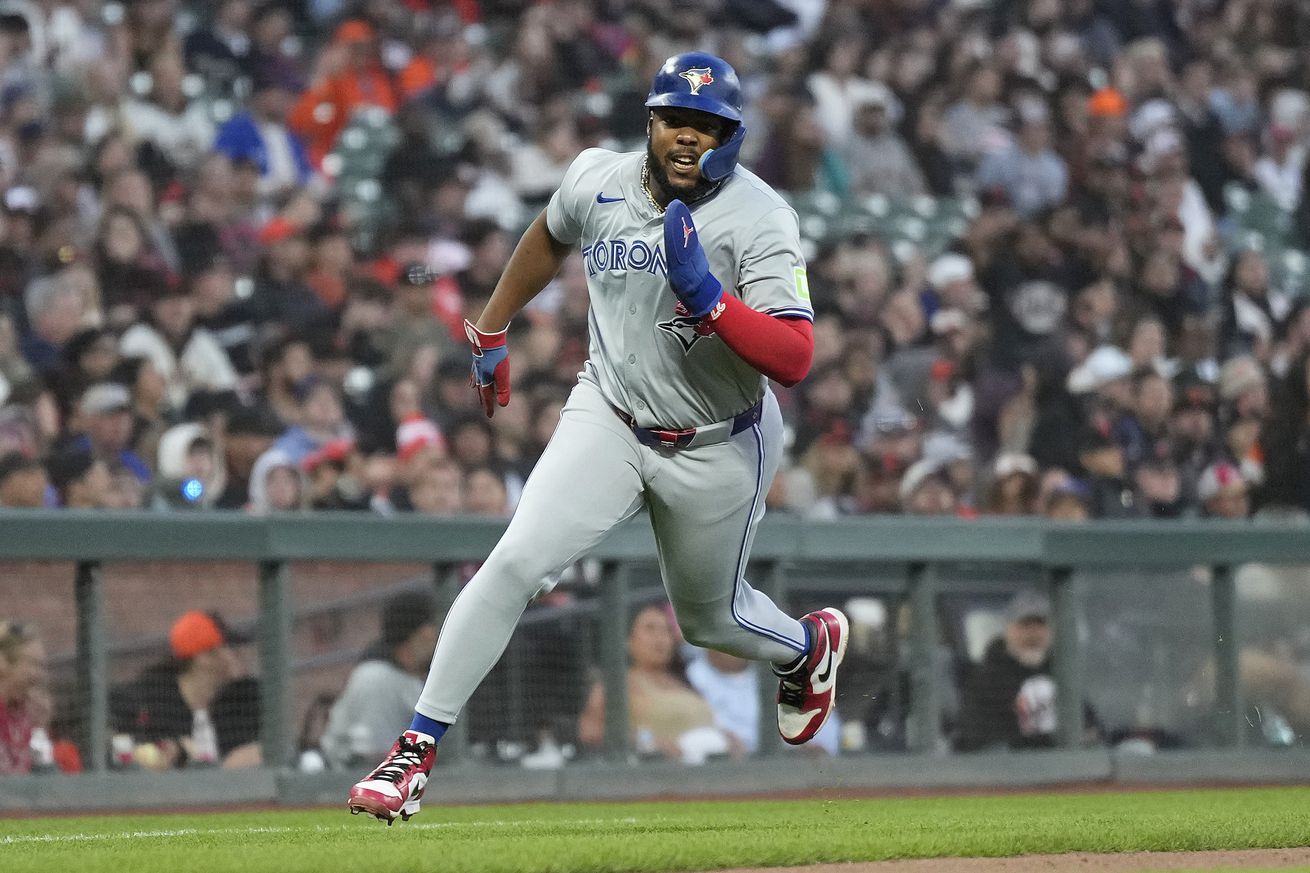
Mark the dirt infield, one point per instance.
(1127, 862)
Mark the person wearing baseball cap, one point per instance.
(926, 489)
(349, 75)
(251, 431)
(1014, 485)
(105, 411)
(194, 708)
(1009, 699)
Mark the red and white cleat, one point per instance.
(394, 788)
(806, 693)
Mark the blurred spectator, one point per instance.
(974, 125)
(436, 489)
(1243, 392)
(260, 136)
(331, 263)
(165, 187)
(1064, 499)
(485, 492)
(166, 118)
(667, 718)
(80, 480)
(272, 57)
(1281, 169)
(382, 689)
(1014, 486)
(281, 294)
(105, 412)
(288, 372)
(190, 472)
(1223, 492)
(418, 441)
(1254, 314)
(1009, 700)
(415, 323)
(321, 420)
(798, 156)
(195, 708)
(24, 712)
(839, 91)
(731, 686)
(926, 489)
(89, 357)
(876, 157)
(55, 312)
(221, 51)
(23, 482)
(348, 75)
(187, 356)
(277, 484)
(1106, 472)
(1031, 174)
(1287, 448)
(250, 433)
(335, 472)
(538, 169)
(230, 320)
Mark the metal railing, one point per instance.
(783, 549)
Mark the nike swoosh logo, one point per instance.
(601, 198)
(827, 670)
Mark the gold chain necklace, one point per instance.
(645, 187)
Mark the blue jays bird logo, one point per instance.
(697, 77)
(686, 329)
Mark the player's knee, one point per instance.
(506, 570)
(703, 632)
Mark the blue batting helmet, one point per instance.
(697, 80)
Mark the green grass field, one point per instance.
(582, 838)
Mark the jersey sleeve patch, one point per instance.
(802, 284)
(771, 273)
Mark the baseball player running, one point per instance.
(698, 298)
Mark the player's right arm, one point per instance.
(536, 260)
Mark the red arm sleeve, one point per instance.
(780, 348)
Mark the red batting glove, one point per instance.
(490, 366)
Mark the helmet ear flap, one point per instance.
(718, 164)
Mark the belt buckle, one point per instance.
(668, 439)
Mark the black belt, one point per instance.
(664, 438)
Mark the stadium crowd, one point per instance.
(238, 241)
(206, 303)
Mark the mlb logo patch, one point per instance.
(697, 77)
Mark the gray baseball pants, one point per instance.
(705, 503)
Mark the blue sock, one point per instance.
(431, 727)
(795, 663)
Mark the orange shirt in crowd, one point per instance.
(323, 111)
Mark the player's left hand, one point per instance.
(689, 270)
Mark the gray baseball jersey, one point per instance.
(704, 501)
(646, 359)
